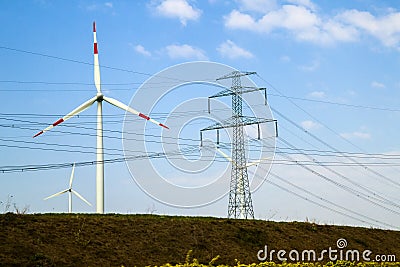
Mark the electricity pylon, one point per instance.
(240, 203)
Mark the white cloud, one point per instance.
(356, 135)
(334, 31)
(230, 50)
(317, 94)
(238, 20)
(185, 51)
(306, 3)
(303, 23)
(257, 5)
(378, 85)
(180, 9)
(109, 4)
(301, 19)
(290, 17)
(310, 125)
(141, 50)
(385, 28)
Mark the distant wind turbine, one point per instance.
(70, 192)
(99, 99)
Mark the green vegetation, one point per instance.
(151, 240)
(273, 264)
(196, 263)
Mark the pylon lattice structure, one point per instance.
(240, 203)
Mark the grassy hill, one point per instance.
(140, 240)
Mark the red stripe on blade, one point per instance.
(144, 116)
(95, 49)
(39, 133)
(58, 122)
(162, 125)
(94, 26)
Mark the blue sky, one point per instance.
(329, 66)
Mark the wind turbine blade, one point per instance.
(96, 60)
(72, 176)
(76, 111)
(131, 110)
(81, 197)
(57, 194)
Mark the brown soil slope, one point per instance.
(140, 240)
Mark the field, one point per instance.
(143, 240)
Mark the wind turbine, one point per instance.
(99, 98)
(70, 191)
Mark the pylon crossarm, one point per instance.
(236, 74)
(215, 126)
(252, 89)
(225, 92)
(221, 125)
(231, 122)
(247, 120)
(228, 92)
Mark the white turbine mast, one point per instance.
(70, 192)
(99, 98)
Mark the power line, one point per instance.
(59, 148)
(25, 168)
(310, 115)
(64, 83)
(87, 63)
(288, 150)
(331, 147)
(336, 103)
(190, 143)
(342, 186)
(327, 201)
(281, 150)
(154, 87)
(344, 177)
(70, 60)
(149, 75)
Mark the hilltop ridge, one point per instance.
(141, 240)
